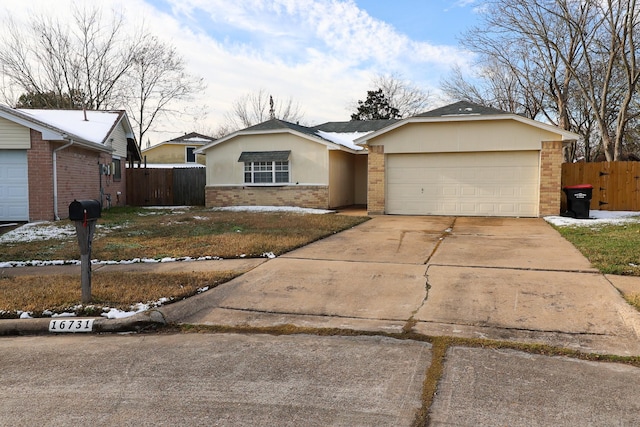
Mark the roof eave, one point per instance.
(49, 133)
(566, 135)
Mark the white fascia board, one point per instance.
(566, 135)
(319, 140)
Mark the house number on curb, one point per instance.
(71, 325)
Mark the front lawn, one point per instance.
(612, 249)
(138, 233)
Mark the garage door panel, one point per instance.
(14, 188)
(471, 184)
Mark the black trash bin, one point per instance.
(578, 200)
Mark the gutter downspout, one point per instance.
(55, 176)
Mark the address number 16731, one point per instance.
(71, 325)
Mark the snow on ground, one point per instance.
(43, 231)
(38, 231)
(273, 209)
(52, 230)
(596, 219)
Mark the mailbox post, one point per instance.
(85, 213)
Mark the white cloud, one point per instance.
(321, 53)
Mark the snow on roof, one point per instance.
(95, 129)
(344, 139)
(168, 165)
(198, 139)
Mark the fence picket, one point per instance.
(615, 184)
(165, 187)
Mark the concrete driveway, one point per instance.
(499, 278)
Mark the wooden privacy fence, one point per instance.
(166, 187)
(615, 184)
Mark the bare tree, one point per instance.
(579, 56)
(157, 78)
(407, 98)
(92, 62)
(257, 107)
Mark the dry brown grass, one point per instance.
(633, 299)
(59, 293)
(128, 233)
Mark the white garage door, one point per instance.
(14, 186)
(465, 184)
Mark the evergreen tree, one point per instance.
(375, 107)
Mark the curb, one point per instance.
(136, 323)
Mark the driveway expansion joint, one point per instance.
(286, 313)
(493, 267)
(511, 328)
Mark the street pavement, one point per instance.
(515, 281)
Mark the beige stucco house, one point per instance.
(466, 159)
(462, 159)
(48, 158)
(277, 163)
(178, 151)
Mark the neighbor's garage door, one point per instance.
(14, 188)
(471, 184)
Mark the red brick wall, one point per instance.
(40, 170)
(79, 178)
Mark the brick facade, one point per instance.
(304, 196)
(78, 177)
(550, 178)
(40, 173)
(376, 187)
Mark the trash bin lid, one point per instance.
(579, 187)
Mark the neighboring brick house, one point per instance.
(177, 152)
(462, 159)
(48, 158)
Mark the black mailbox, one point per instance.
(84, 210)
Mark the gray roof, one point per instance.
(264, 156)
(354, 126)
(462, 108)
(186, 137)
(275, 124)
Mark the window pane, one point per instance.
(117, 173)
(282, 176)
(247, 177)
(191, 157)
(262, 177)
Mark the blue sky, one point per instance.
(320, 53)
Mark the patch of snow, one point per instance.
(168, 166)
(65, 314)
(114, 313)
(596, 218)
(25, 315)
(290, 209)
(42, 230)
(268, 255)
(344, 138)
